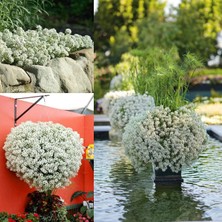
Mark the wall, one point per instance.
(13, 191)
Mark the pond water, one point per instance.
(123, 195)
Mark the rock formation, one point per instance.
(72, 74)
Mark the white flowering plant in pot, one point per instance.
(110, 98)
(38, 47)
(171, 135)
(165, 138)
(45, 155)
(125, 108)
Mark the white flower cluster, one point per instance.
(110, 98)
(164, 138)
(127, 107)
(37, 47)
(45, 155)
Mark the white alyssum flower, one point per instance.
(45, 155)
(164, 138)
(37, 47)
(110, 98)
(127, 107)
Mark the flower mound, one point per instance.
(110, 98)
(127, 107)
(38, 47)
(164, 138)
(45, 155)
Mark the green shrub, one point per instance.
(63, 12)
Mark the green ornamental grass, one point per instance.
(164, 76)
(22, 13)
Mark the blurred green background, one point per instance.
(126, 29)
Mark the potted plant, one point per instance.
(45, 155)
(124, 109)
(171, 135)
(109, 99)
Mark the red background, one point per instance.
(13, 191)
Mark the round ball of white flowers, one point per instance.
(164, 138)
(110, 98)
(45, 155)
(127, 107)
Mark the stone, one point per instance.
(72, 77)
(13, 76)
(59, 75)
(1, 88)
(87, 53)
(45, 79)
(88, 68)
(19, 89)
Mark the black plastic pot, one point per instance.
(167, 177)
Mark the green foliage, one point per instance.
(115, 24)
(84, 210)
(82, 194)
(207, 71)
(63, 12)
(120, 44)
(78, 194)
(156, 32)
(49, 207)
(198, 23)
(98, 90)
(123, 69)
(123, 25)
(102, 80)
(5, 217)
(22, 13)
(164, 76)
(60, 215)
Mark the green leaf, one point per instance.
(90, 194)
(90, 213)
(83, 209)
(73, 206)
(77, 194)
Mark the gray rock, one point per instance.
(19, 89)
(87, 53)
(1, 88)
(72, 77)
(60, 75)
(88, 68)
(13, 75)
(45, 79)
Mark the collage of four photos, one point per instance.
(135, 85)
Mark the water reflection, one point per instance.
(166, 204)
(123, 195)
